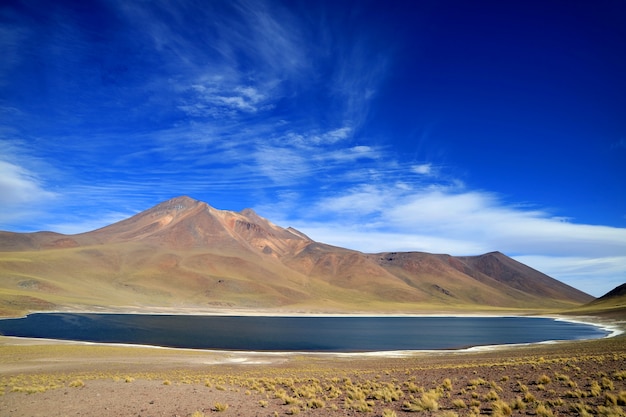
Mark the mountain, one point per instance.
(185, 253)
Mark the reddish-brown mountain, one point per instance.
(185, 253)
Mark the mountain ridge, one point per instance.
(185, 252)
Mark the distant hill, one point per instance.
(185, 253)
(615, 294)
(612, 304)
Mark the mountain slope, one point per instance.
(184, 252)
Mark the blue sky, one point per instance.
(443, 126)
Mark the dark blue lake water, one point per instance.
(329, 334)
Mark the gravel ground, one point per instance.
(586, 378)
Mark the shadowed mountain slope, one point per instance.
(612, 304)
(185, 253)
(616, 293)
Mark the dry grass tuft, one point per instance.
(360, 405)
(492, 396)
(594, 389)
(459, 403)
(544, 411)
(613, 411)
(582, 409)
(77, 383)
(543, 380)
(220, 406)
(389, 413)
(427, 402)
(619, 375)
(607, 384)
(518, 404)
(316, 403)
(501, 409)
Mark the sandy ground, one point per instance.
(51, 378)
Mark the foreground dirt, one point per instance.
(60, 379)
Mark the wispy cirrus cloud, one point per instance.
(241, 61)
(256, 63)
(215, 102)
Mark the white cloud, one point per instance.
(472, 215)
(23, 195)
(423, 169)
(370, 240)
(362, 150)
(331, 137)
(362, 201)
(19, 186)
(346, 155)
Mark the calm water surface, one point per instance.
(330, 334)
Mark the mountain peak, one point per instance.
(248, 212)
(178, 203)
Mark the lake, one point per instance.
(312, 334)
